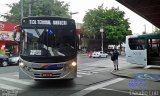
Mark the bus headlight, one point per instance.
(74, 63)
(21, 64)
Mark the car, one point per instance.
(4, 60)
(98, 54)
(14, 60)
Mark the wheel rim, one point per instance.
(4, 63)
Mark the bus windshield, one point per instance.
(46, 42)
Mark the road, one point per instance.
(81, 59)
(94, 79)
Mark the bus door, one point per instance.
(136, 53)
(153, 51)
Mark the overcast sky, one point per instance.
(82, 6)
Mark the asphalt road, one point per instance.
(92, 80)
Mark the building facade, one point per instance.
(8, 45)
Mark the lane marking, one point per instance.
(93, 70)
(9, 73)
(131, 93)
(82, 71)
(16, 81)
(95, 87)
(79, 75)
(115, 90)
(16, 75)
(100, 70)
(7, 87)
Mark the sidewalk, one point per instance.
(128, 70)
(138, 72)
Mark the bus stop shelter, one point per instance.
(148, 9)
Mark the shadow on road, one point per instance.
(54, 84)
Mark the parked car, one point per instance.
(4, 60)
(14, 59)
(98, 54)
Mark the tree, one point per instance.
(39, 8)
(111, 20)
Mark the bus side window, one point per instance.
(136, 44)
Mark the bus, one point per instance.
(143, 49)
(48, 48)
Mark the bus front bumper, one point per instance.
(47, 74)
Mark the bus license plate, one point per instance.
(47, 75)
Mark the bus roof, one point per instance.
(46, 17)
(150, 36)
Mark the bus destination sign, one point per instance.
(46, 22)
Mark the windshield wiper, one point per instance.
(37, 32)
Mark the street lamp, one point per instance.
(21, 9)
(72, 13)
(102, 30)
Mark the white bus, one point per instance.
(48, 48)
(143, 49)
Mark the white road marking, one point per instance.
(130, 92)
(7, 87)
(115, 90)
(79, 75)
(5, 74)
(91, 71)
(86, 68)
(100, 70)
(94, 72)
(16, 75)
(95, 87)
(16, 81)
(81, 71)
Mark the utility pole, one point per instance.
(102, 30)
(30, 7)
(21, 9)
(144, 29)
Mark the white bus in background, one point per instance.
(143, 49)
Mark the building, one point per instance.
(7, 44)
(78, 30)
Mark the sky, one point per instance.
(137, 23)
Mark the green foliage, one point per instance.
(111, 20)
(38, 8)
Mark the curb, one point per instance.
(112, 72)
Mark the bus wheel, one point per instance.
(4, 63)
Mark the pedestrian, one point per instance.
(114, 58)
(90, 54)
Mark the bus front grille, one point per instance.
(48, 68)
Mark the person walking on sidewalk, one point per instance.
(114, 58)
